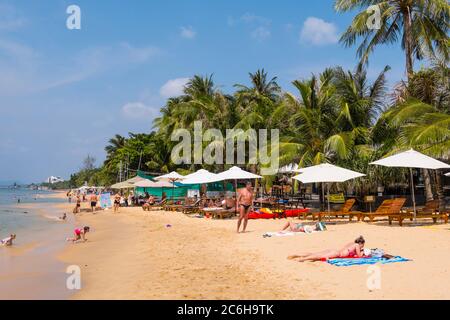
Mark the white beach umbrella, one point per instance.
(200, 177)
(326, 173)
(236, 173)
(290, 168)
(171, 177)
(411, 159)
(135, 179)
(151, 184)
(122, 185)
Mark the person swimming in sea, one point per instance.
(7, 242)
(353, 249)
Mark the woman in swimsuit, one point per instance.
(78, 206)
(80, 234)
(116, 202)
(300, 227)
(354, 249)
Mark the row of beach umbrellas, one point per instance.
(323, 173)
(327, 173)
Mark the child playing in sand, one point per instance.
(353, 249)
(80, 234)
(8, 241)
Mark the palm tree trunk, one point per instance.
(440, 190)
(408, 42)
(427, 182)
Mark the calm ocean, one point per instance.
(30, 269)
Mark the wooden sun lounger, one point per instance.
(193, 208)
(387, 208)
(156, 207)
(224, 214)
(345, 211)
(430, 211)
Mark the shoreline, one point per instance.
(33, 270)
(133, 255)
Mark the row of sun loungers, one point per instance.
(391, 209)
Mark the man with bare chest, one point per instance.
(245, 201)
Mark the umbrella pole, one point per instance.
(328, 201)
(413, 194)
(323, 198)
(235, 194)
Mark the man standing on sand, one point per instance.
(245, 201)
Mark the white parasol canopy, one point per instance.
(326, 173)
(236, 173)
(201, 177)
(290, 168)
(122, 185)
(150, 184)
(173, 176)
(411, 159)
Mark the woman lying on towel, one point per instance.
(300, 227)
(354, 249)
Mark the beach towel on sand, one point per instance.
(364, 261)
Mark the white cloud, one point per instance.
(24, 70)
(138, 110)
(173, 88)
(318, 32)
(261, 33)
(188, 32)
(260, 26)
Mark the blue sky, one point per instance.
(64, 93)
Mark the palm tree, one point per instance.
(114, 144)
(422, 26)
(261, 87)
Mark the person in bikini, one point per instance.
(116, 202)
(300, 227)
(245, 201)
(353, 249)
(80, 234)
(78, 205)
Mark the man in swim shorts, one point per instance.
(245, 201)
(93, 199)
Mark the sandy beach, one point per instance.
(135, 255)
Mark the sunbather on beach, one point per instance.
(245, 200)
(8, 241)
(353, 249)
(300, 227)
(80, 234)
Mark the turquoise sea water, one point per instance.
(29, 268)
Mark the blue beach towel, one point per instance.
(363, 261)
